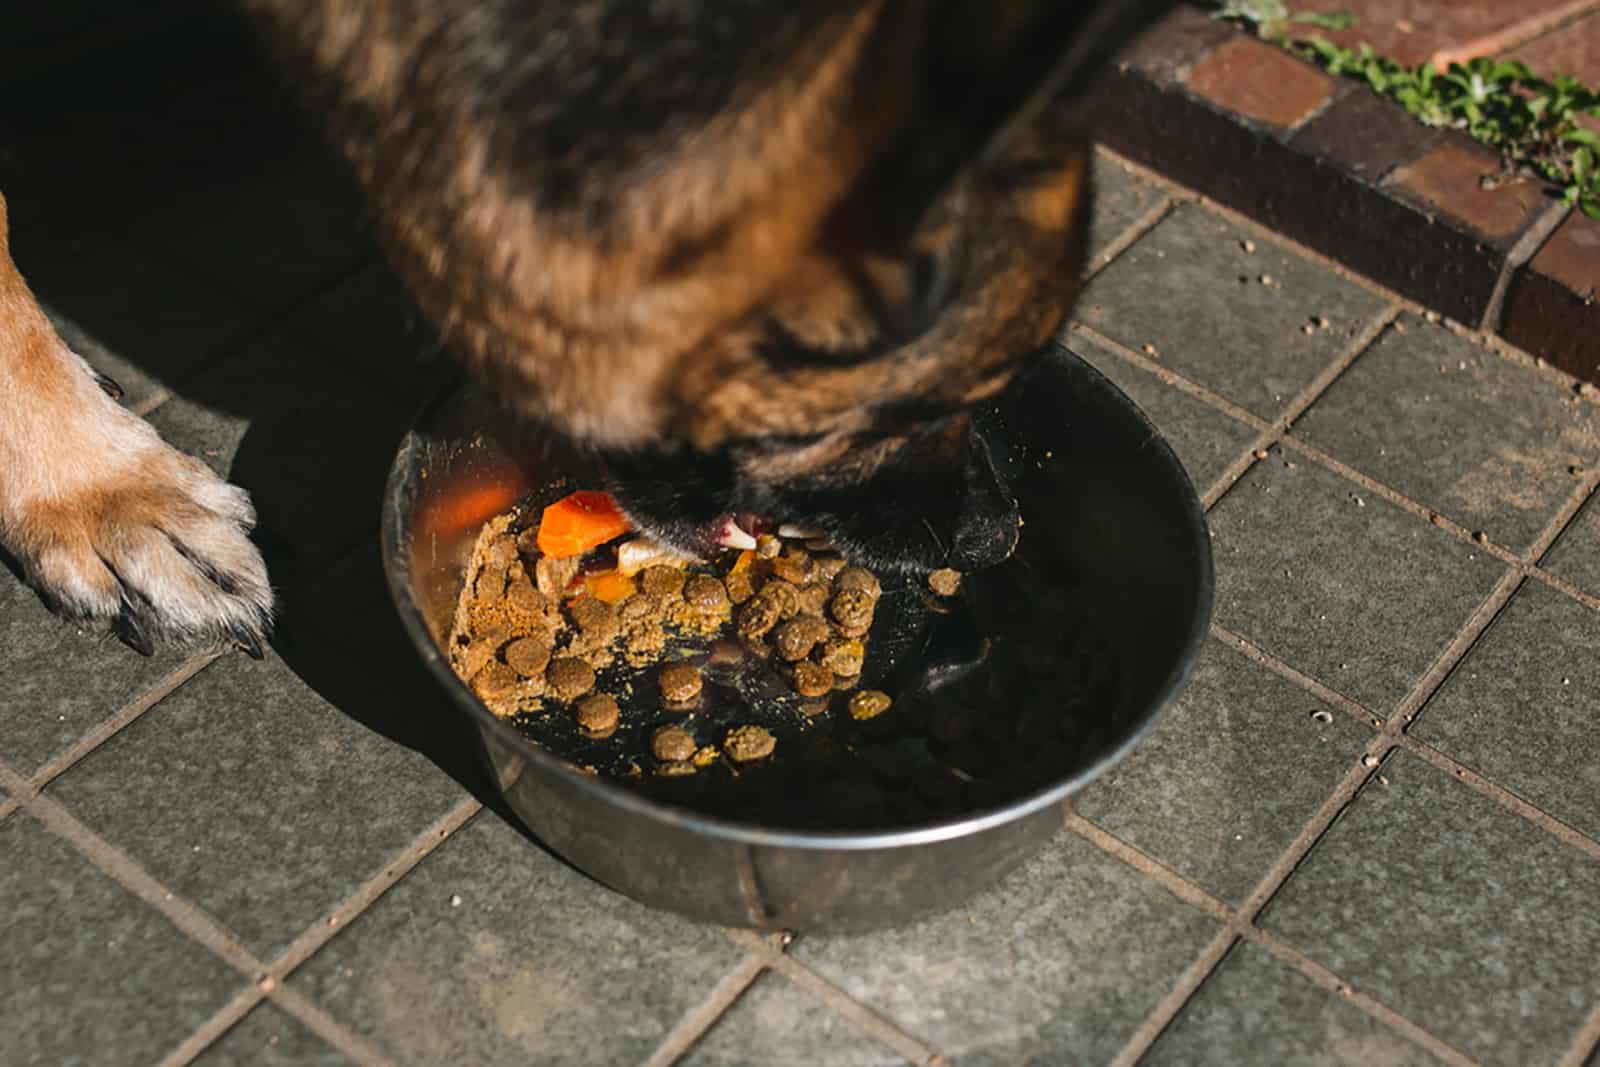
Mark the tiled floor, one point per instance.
(1367, 834)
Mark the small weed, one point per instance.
(1531, 121)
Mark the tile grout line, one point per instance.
(858, 1014)
(1584, 1043)
(1365, 767)
(1478, 782)
(1270, 434)
(1127, 238)
(270, 977)
(187, 917)
(318, 1021)
(1240, 929)
(1493, 342)
(1363, 770)
(110, 727)
(698, 1020)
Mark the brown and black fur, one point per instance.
(760, 256)
(746, 249)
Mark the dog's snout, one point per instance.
(987, 528)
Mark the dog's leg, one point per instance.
(114, 528)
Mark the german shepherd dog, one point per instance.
(762, 257)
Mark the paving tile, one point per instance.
(1191, 290)
(249, 794)
(60, 682)
(1206, 441)
(1415, 30)
(269, 1037)
(1523, 709)
(311, 442)
(1341, 585)
(1254, 1009)
(536, 965)
(1121, 198)
(133, 318)
(371, 323)
(1576, 554)
(1227, 779)
(274, 230)
(1476, 437)
(1454, 912)
(780, 1025)
(1261, 82)
(88, 967)
(1018, 975)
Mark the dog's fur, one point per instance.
(754, 254)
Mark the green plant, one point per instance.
(1531, 121)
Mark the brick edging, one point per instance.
(1330, 164)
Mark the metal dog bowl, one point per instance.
(1113, 531)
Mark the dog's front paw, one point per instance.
(118, 531)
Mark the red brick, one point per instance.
(1573, 49)
(1553, 307)
(1164, 51)
(1261, 82)
(1412, 31)
(1447, 180)
(1572, 256)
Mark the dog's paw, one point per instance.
(120, 532)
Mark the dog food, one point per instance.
(746, 744)
(869, 704)
(944, 581)
(672, 743)
(598, 715)
(680, 684)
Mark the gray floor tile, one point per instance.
(60, 683)
(535, 965)
(1473, 436)
(88, 968)
(143, 323)
(1120, 199)
(1018, 975)
(777, 1024)
(1222, 786)
(1191, 290)
(1205, 440)
(249, 794)
(273, 233)
(1576, 554)
(1254, 1009)
(1341, 585)
(311, 442)
(370, 323)
(1523, 709)
(269, 1037)
(1454, 912)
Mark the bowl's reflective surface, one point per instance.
(1113, 529)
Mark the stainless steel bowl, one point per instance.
(1121, 532)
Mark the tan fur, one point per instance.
(93, 503)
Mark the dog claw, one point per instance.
(109, 385)
(130, 631)
(247, 641)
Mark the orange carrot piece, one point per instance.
(612, 587)
(579, 522)
(746, 558)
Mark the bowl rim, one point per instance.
(396, 568)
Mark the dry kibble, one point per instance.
(783, 594)
(745, 744)
(795, 571)
(598, 715)
(495, 680)
(814, 599)
(554, 575)
(945, 581)
(528, 656)
(812, 679)
(740, 586)
(757, 617)
(869, 704)
(594, 615)
(796, 638)
(680, 683)
(705, 593)
(843, 656)
(852, 610)
(768, 546)
(568, 678)
(827, 566)
(857, 578)
(672, 743)
(678, 768)
(522, 595)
